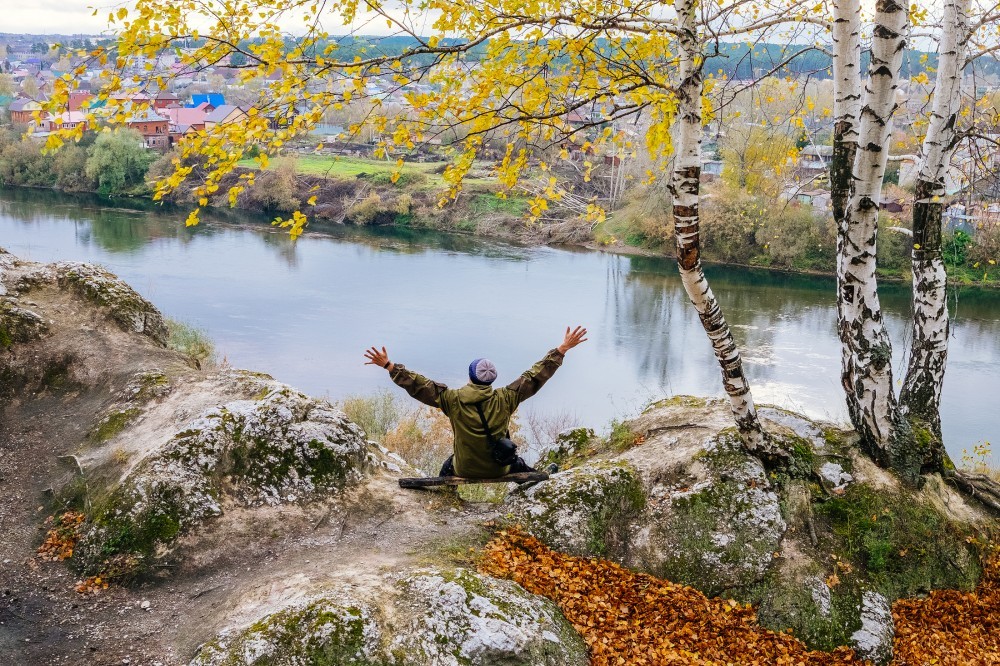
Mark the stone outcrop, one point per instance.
(447, 617)
(676, 496)
(275, 446)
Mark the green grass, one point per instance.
(336, 166)
(190, 341)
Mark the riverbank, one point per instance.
(737, 229)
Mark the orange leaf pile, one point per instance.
(91, 585)
(61, 537)
(951, 627)
(632, 618)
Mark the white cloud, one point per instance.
(64, 17)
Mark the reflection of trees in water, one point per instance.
(647, 313)
(128, 225)
(653, 318)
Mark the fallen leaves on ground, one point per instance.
(62, 537)
(950, 626)
(92, 585)
(632, 618)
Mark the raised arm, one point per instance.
(531, 381)
(423, 389)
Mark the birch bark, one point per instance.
(921, 394)
(685, 186)
(846, 33)
(867, 350)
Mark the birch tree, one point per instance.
(685, 183)
(920, 397)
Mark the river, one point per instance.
(305, 311)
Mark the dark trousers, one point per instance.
(448, 469)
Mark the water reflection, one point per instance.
(304, 310)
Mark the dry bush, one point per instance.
(423, 438)
(541, 429)
(376, 414)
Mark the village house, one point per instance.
(223, 115)
(154, 128)
(184, 120)
(65, 120)
(22, 111)
(164, 100)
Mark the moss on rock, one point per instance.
(590, 510)
(113, 423)
(570, 448)
(902, 545)
(717, 533)
(320, 633)
(458, 617)
(282, 448)
(18, 325)
(447, 617)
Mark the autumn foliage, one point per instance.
(950, 626)
(61, 537)
(632, 618)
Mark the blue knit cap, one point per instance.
(482, 371)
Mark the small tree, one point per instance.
(118, 162)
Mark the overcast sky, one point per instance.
(64, 17)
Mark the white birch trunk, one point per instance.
(867, 369)
(846, 33)
(921, 394)
(685, 186)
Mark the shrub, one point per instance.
(190, 341)
(376, 414)
(893, 252)
(70, 169)
(22, 163)
(276, 189)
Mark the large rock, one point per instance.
(447, 617)
(716, 529)
(18, 324)
(590, 510)
(340, 631)
(125, 306)
(281, 446)
(822, 547)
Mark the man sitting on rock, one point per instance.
(472, 456)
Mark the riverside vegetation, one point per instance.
(739, 227)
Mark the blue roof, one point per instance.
(215, 99)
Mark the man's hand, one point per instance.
(380, 358)
(572, 339)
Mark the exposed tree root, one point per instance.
(980, 487)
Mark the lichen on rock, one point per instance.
(459, 617)
(588, 510)
(126, 307)
(445, 617)
(873, 641)
(282, 447)
(324, 632)
(717, 531)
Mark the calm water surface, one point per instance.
(305, 311)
